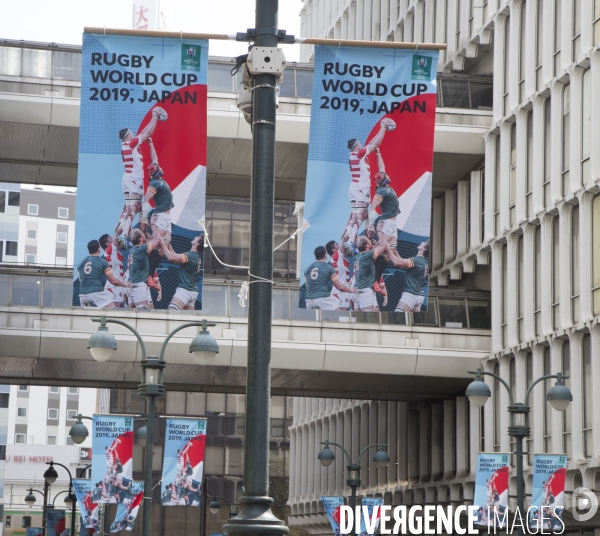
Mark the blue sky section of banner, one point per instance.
(328, 175)
(99, 144)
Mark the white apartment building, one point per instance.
(530, 211)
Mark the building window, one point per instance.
(528, 380)
(575, 264)
(557, 28)
(547, 407)
(596, 253)
(537, 289)
(504, 283)
(31, 234)
(497, 187)
(520, 288)
(539, 42)
(32, 210)
(566, 141)
(586, 126)
(72, 414)
(30, 258)
(53, 414)
(547, 152)
(555, 272)
(11, 248)
(54, 389)
(20, 439)
(588, 407)
(61, 237)
(51, 440)
(21, 412)
(513, 172)
(497, 429)
(522, 50)
(61, 261)
(566, 370)
(8, 522)
(23, 387)
(25, 522)
(69, 441)
(576, 28)
(529, 168)
(14, 199)
(63, 213)
(73, 390)
(506, 63)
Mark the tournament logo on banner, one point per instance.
(548, 492)
(142, 172)
(112, 453)
(89, 509)
(183, 463)
(370, 525)
(332, 508)
(56, 524)
(491, 489)
(369, 180)
(127, 511)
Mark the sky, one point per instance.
(62, 21)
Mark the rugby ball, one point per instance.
(388, 123)
(160, 114)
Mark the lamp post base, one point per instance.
(255, 517)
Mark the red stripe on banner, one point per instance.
(187, 122)
(125, 447)
(411, 143)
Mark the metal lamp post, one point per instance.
(215, 506)
(327, 457)
(559, 397)
(50, 476)
(102, 345)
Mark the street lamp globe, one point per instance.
(381, 459)
(326, 456)
(78, 432)
(141, 434)
(204, 348)
(559, 396)
(50, 475)
(478, 392)
(69, 498)
(214, 507)
(102, 344)
(30, 498)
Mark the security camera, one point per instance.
(244, 97)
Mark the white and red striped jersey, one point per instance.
(131, 153)
(109, 458)
(181, 460)
(115, 260)
(359, 169)
(341, 265)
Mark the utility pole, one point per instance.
(255, 515)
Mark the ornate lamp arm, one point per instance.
(103, 321)
(380, 445)
(204, 324)
(480, 372)
(560, 377)
(327, 443)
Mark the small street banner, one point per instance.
(112, 453)
(88, 508)
(332, 509)
(491, 489)
(34, 531)
(183, 464)
(127, 510)
(548, 492)
(141, 181)
(369, 522)
(369, 180)
(56, 523)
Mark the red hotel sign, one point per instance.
(30, 459)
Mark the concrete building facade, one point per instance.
(530, 211)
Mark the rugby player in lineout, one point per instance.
(364, 272)
(133, 177)
(160, 222)
(138, 270)
(417, 271)
(186, 293)
(360, 185)
(317, 276)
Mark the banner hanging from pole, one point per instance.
(112, 457)
(369, 180)
(34, 531)
(548, 492)
(142, 172)
(183, 465)
(372, 516)
(88, 508)
(491, 490)
(56, 523)
(127, 510)
(332, 509)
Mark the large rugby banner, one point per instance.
(142, 172)
(368, 190)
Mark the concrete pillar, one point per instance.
(565, 240)
(521, 201)
(437, 226)
(546, 274)
(462, 218)
(490, 181)
(537, 178)
(512, 290)
(528, 289)
(475, 209)
(449, 225)
(449, 443)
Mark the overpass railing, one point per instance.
(37, 286)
